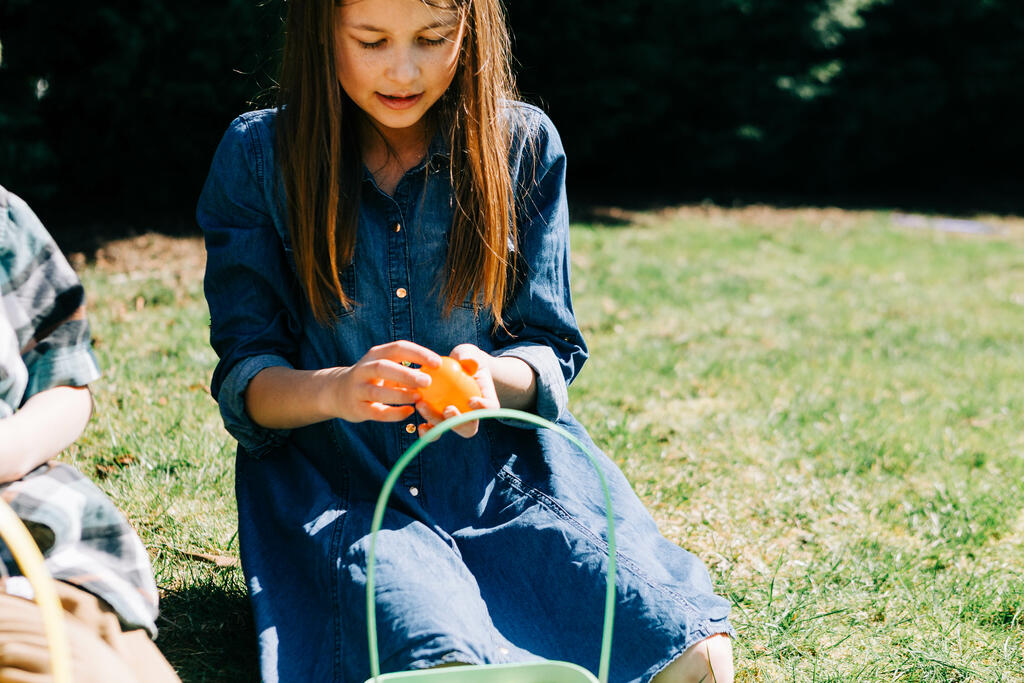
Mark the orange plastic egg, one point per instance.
(450, 385)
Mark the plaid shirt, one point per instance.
(44, 342)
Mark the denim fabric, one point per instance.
(494, 548)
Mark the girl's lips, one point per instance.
(398, 102)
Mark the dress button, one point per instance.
(401, 292)
(414, 491)
(410, 428)
(397, 227)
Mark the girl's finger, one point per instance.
(477, 402)
(381, 412)
(384, 371)
(486, 383)
(428, 413)
(474, 361)
(404, 351)
(464, 430)
(434, 418)
(391, 395)
(468, 430)
(470, 365)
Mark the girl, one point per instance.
(398, 204)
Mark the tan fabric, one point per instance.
(101, 652)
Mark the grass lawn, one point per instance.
(826, 406)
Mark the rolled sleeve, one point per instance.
(540, 325)
(249, 287)
(256, 440)
(44, 303)
(552, 392)
(73, 366)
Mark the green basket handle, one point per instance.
(433, 435)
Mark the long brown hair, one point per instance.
(320, 160)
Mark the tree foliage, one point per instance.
(800, 96)
(121, 102)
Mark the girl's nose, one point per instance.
(403, 67)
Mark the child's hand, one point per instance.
(380, 386)
(476, 363)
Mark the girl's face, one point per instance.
(395, 58)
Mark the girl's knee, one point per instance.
(709, 661)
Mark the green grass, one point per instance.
(157, 445)
(825, 407)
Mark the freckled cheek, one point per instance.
(444, 66)
(355, 69)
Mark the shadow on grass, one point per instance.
(206, 633)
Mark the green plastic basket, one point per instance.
(526, 672)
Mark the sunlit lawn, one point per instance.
(826, 406)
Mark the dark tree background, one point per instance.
(111, 109)
(883, 99)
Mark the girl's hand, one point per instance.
(379, 386)
(476, 363)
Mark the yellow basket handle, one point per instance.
(30, 561)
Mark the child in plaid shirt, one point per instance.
(104, 578)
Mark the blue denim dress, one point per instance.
(493, 548)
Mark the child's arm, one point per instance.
(378, 387)
(46, 424)
(48, 344)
